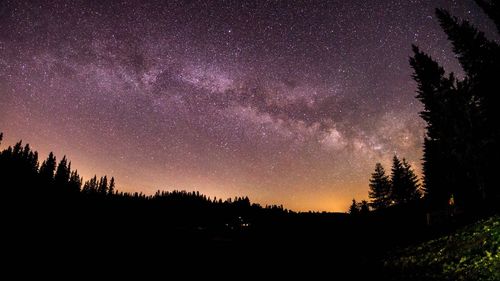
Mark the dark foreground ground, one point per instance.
(395, 245)
(470, 253)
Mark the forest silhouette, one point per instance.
(51, 206)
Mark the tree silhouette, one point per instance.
(75, 182)
(411, 186)
(435, 91)
(405, 187)
(61, 178)
(103, 186)
(380, 188)
(480, 59)
(492, 9)
(461, 145)
(397, 181)
(111, 188)
(47, 169)
(50, 205)
(364, 207)
(30, 159)
(354, 208)
(91, 186)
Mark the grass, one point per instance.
(471, 253)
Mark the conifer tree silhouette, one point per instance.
(405, 187)
(461, 147)
(380, 188)
(354, 208)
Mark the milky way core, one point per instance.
(287, 102)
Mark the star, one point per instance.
(282, 102)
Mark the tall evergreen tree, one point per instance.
(354, 208)
(410, 183)
(103, 186)
(90, 186)
(380, 188)
(432, 91)
(47, 169)
(75, 182)
(397, 181)
(30, 161)
(480, 59)
(405, 187)
(492, 9)
(17, 149)
(61, 177)
(461, 147)
(111, 188)
(477, 55)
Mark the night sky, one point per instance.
(287, 102)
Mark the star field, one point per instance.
(288, 102)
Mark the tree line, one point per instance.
(55, 184)
(461, 146)
(20, 166)
(398, 188)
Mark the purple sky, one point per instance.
(288, 102)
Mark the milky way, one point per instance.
(288, 102)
